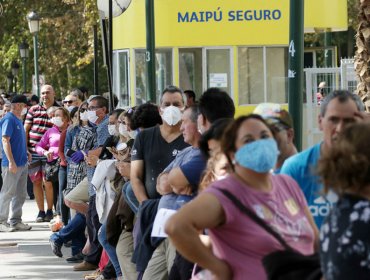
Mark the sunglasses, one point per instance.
(68, 101)
(83, 110)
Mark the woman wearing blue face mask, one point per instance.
(238, 243)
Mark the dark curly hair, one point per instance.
(145, 116)
(346, 166)
(215, 132)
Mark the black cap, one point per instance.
(19, 99)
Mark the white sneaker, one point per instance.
(21, 227)
(5, 227)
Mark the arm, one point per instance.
(316, 242)
(178, 182)
(183, 230)
(163, 187)
(136, 176)
(8, 152)
(41, 146)
(27, 128)
(68, 141)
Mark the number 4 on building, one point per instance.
(291, 48)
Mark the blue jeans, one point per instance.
(111, 251)
(75, 231)
(63, 210)
(129, 196)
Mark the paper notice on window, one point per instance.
(160, 221)
(218, 80)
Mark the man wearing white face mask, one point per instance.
(14, 166)
(154, 148)
(97, 114)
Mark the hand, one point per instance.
(29, 156)
(187, 190)
(49, 155)
(13, 167)
(124, 169)
(77, 157)
(362, 117)
(92, 160)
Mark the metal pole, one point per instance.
(105, 42)
(15, 84)
(328, 53)
(24, 74)
(36, 63)
(96, 63)
(110, 55)
(150, 51)
(295, 70)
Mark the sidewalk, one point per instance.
(27, 254)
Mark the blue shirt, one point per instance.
(12, 127)
(192, 164)
(302, 167)
(102, 135)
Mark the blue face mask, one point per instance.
(259, 156)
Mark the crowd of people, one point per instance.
(155, 191)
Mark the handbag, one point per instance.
(51, 170)
(287, 264)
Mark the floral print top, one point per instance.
(345, 240)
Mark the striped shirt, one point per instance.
(40, 123)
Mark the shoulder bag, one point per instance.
(287, 264)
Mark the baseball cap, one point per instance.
(19, 99)
(273, 113)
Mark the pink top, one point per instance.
(241, 242)
(49, 142)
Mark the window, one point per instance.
(120, 78)
(190, 70)
(262, 75)
(163, 73)
(218, 69)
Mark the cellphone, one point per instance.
(70, 152)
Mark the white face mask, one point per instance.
(91, 116)
(112, 129)
(70, 108)
(57, 121)
(24, 111)
(132, 134)
(83, 116)
(123, 130)
(171, 115)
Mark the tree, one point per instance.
(362, 56)
(65, 41)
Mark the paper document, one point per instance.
(160, 220)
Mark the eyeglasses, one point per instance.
(82, 110)
(277, 127)
(68, 101)
(93, 108)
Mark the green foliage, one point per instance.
(65, 42)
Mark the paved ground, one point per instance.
(27, 255)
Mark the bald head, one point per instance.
(47, 95)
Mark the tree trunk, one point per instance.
(362, 55)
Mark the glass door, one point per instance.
(217, 65)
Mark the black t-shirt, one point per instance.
(156, 153)
(345, 240)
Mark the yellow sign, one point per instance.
(188, 23)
